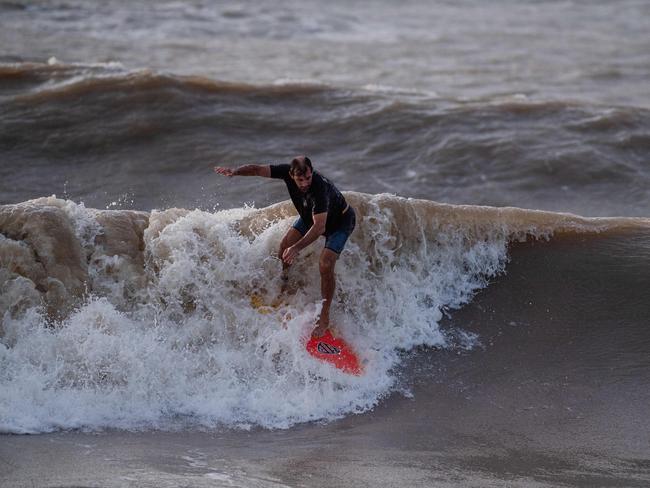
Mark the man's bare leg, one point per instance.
(327, 285)
(290, 238)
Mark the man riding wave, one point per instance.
(322, 210)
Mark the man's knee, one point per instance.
(327, 261)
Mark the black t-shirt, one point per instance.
(322, 196)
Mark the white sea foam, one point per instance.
(181, 345)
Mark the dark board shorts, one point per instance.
(336, 239)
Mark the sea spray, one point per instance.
(163, 334)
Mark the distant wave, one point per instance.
(57, 79)
(81, 119)
(43, 81)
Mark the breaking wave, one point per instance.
(136, 320)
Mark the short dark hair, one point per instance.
(299, 166)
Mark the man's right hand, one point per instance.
(224, 171)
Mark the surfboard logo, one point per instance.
(325, 348)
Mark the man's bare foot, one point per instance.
(321, 327)
(319, 331)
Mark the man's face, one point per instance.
(304, 181)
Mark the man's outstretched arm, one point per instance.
(246, 170)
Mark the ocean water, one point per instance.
(497, 155)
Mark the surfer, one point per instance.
(322, 210)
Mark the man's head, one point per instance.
(301, 172)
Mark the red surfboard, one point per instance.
(328, 348)
(335, 351)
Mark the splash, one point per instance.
(123, 319)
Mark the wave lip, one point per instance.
(135, 320)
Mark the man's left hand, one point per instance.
(290, 254)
